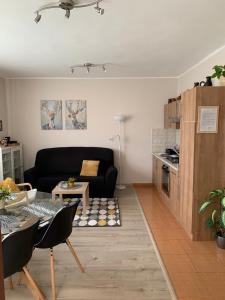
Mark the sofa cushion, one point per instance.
(68, 160)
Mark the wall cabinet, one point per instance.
(11, 163)
(172, 115)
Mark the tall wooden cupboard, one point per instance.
(202, 158)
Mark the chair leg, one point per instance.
(20, 278)
(75, 255)
(52, 274)
(33, 284)
(10, 282)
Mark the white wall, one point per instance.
(201, 70)
(141, 100)
(3, 108)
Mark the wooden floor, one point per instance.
(120, 263)
(196, 269)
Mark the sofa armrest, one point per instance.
(110, 181)
(30, 176)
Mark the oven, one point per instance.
(166, 179)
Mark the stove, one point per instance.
(173, 158)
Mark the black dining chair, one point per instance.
(17, 249)
(58, 232)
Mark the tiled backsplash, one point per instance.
(164, 138)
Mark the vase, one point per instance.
(2, 203)
(208, 81)
(219, 82)
(220, 242)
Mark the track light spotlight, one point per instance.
(99, 9)
(68, 5)
(38, 18)
(67, 15)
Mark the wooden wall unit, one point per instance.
(202, 158)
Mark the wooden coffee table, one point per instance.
(81, 188)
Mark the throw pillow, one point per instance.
(89, 168)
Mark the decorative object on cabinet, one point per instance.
(208, 119)
(215, 202)
(196, 84)
(51, 114)
(11, 163)
(76, 114)
(68, 5)
(219, 75)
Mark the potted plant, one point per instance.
(4, 194)
(219, 75)
(71, 182)
(215, 205)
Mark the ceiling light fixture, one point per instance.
(88, 67)
(69, 5)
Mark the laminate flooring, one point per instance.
(120, 263)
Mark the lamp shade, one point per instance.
(119, 118)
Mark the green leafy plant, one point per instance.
(219, 71)
(215, 202)
(4, 193)
(71, 180)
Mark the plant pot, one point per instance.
(220, 242)
(71, 184)
(2, 204)
(218, 82)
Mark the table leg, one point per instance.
(85, 200)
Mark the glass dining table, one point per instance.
(16, 216)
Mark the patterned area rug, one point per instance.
(103, 212)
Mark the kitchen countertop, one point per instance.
(166, 161)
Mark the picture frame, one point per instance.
(1, 125)
(208, 118)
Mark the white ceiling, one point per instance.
(142, 38)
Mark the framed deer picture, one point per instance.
(76, 114)
(51, 114)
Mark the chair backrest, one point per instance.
(17, 249)
(60, 227)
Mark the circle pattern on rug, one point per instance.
(92, 222)
(101, 212)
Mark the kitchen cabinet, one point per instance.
(175, 193)
(157, 173)
(172, 115)
(173, 200)
(11, 163)
(202, 158)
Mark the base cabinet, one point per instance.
(173, 200)
(175, 193)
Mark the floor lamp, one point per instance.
(120, 119)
